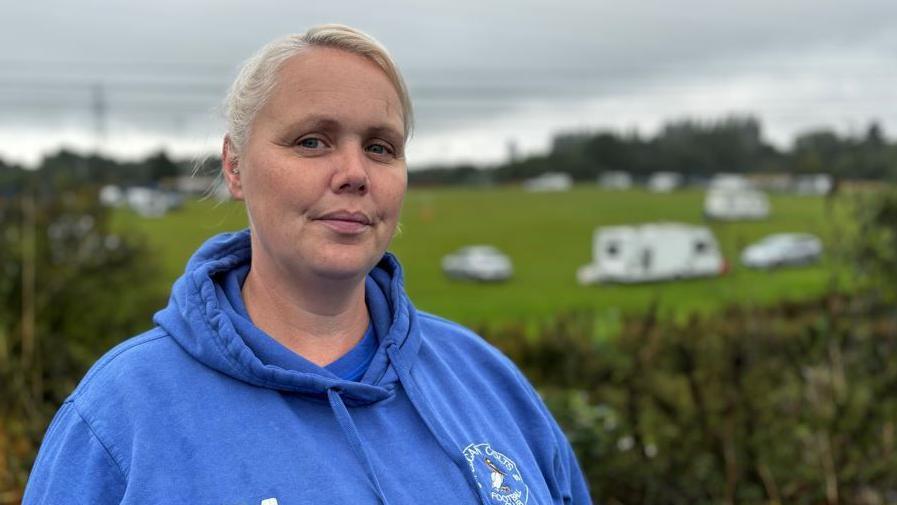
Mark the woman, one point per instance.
(289, 366)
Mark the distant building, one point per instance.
(549, 181)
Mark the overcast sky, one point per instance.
(131, 77)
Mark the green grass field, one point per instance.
(548, 236)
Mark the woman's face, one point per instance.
(323, 171)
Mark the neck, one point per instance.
(319, 319)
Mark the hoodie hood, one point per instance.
(195, 318)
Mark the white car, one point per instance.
(782, 249)
(478, 262)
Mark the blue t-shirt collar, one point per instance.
(351, 366)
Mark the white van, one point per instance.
(652, 252)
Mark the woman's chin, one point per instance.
(339, 268)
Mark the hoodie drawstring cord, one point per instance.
(449, 446)
(351, 432)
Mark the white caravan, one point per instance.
(549, 181)
(732, 198)
(615, 179)
(814, 184)
(652, 252)
(664, 182)
(148, 202)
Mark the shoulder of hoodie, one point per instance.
(452, 339)
(457, 343)
(123, 369)
(442, 332)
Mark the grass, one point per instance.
(548, 236)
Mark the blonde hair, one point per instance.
(258, 76)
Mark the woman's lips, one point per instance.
(345, 222)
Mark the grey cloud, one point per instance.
(167, 61)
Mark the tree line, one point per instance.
(66, 169)
(694, 148)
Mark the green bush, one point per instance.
(69, 290)
(791, 404)
(874, 249)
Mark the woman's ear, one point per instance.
(230, 168)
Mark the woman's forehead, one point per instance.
(332, 82)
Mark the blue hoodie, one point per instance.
(198, 411)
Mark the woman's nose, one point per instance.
(351, 174)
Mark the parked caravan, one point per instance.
(732, 197)
(652, 252)
(549, 181)
(149, 202)
(615, 179)
(729, 181)
(664, 182)
(814, 184)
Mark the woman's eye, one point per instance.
(380, 149)
(311, 143)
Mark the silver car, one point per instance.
(478, 262)
(782, 249)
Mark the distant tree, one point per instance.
(820, 151)
(875, 136)
(10, 180)
(529, 167)
(159, 167)
(463, 175)
(570, 142)
(731, 145)
(66, 168)
(611, 152)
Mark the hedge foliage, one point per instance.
(791, 404)
(69, 290)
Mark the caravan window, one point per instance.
(612, 248)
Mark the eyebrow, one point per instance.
(388, 132)
(329, 124)
(316, 122)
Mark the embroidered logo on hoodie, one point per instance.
(497, 474)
